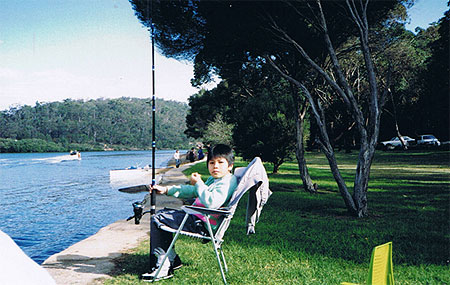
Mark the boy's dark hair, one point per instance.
(221, 150)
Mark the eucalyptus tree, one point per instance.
(397, 51)
(296, 38)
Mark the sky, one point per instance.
(51, 50)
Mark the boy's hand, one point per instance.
(195, 177)
(159, 189)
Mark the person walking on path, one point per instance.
(176, 156)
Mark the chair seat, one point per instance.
(202, 211)
(189, 234)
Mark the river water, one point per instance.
(48, 204)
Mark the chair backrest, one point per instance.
(381, 269)
(248, 180)
(247, 177)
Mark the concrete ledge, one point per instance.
(90, 260)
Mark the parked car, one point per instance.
(396, 143)
(428, 140)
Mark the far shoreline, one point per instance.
(35, 145)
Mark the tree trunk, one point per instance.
(276, 167)
(397, 129)
(327, 148)
(324, 141)
(362, 179)
(343, 190)
(300, 112)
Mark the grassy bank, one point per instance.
(310, 239)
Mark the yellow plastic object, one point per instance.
(381, 270)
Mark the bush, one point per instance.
(29, 145)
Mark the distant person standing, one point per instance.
(200, 154)
(176, 156)
(191, 155)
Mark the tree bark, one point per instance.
(300, 112)
(362, 179)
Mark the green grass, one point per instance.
(310, 239)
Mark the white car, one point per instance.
(428, 140)
(395, 142)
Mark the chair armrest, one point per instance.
(205, 211)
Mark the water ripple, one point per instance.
(46, 207)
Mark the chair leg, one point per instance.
(215, 250)
(223, 259)
(171, 245)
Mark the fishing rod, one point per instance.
(153, 194)
(153, 202)
(138, 206)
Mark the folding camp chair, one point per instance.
(381, 270)
(250, 179)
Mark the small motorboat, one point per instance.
(61, 158)
(74, 154)
(132, 173)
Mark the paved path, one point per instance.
(90, 260)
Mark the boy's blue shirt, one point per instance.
(213, 193)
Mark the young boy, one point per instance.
(213, 193)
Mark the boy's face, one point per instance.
(218, 167)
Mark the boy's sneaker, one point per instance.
(177, 264)
(148, 277)
(166, 272)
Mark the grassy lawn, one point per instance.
(310, 239)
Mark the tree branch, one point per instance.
(347, 95)
(300, 49)
(364, 41)
(316, 109)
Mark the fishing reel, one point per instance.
(138, 209)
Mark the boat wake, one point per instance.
(58, 159)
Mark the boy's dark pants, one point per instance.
(160, 240)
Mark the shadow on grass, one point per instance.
(407, 207)
(319, 225)
(132, 263)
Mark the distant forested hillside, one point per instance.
(123, 123)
